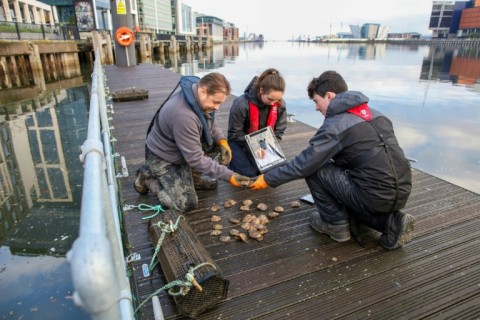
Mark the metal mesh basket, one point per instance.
(180, 251)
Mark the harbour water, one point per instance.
(431, 94)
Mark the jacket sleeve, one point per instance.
(187, 135)
(281, 124)
(237, 120)
(323, 146)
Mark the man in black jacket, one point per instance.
(354, 167)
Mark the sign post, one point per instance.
(122, 22)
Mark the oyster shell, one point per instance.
(229, 203)
(216, 232)
(241, 236)
(215, 218)
(295, 204)
(262, 207)
(263, 219)
(279, 209)
(225, 238)
(234, 232)
(273, 214)
(247, 202)
(215, 208)
(246, 226)
(234, 220)
(217, 227)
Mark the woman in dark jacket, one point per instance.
(260, 106)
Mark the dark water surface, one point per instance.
(431, 94)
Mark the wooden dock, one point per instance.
(295, 273)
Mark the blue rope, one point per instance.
(166, 228)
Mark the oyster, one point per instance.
(279, 209)
(217, 227)
(273, 214)
(234, 220)
(241, 236)
(229, 203)
(215, 218)
(255, 235)
(248, 218)
(246, 226)
(295, 204)
(244, 208)
(216, 232)
(263, 219)
(234, 232)
(215, 208)
(225, 238)
(247, 202)
(262, 207)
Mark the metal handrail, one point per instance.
(97, 260)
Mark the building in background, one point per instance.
(455, 19)
(155, 16)
(470, 20)
(27, 11)
(210, 26)
(184, 19)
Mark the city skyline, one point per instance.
(302, 18)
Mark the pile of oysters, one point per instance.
(251, 225)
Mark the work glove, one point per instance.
(240, 181)
(225, 152)
(259, 183)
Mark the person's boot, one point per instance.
(398, 231)
(339, 232)
(139, 184)
(204, 182)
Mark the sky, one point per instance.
(283, 20)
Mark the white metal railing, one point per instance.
(98, 266)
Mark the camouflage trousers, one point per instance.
(172, 183)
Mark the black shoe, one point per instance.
(139, 184)
(204, 182)
(338, 232)
(398, 230)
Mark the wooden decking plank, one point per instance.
(295, 273)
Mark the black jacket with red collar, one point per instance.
(353, 143)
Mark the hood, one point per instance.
(344, 101)
(186, 83)
(251, 94)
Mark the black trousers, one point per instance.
(336, 197)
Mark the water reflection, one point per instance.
(192, 63)
(40, 194)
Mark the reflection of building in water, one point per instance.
(193, 63)
(40, 169)
(458, 65)
(466, 66)
(364, 51)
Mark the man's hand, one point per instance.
(259, 183)
(225, 152)
(240, 181)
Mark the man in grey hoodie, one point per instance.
(354, 167)
(183, 139)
